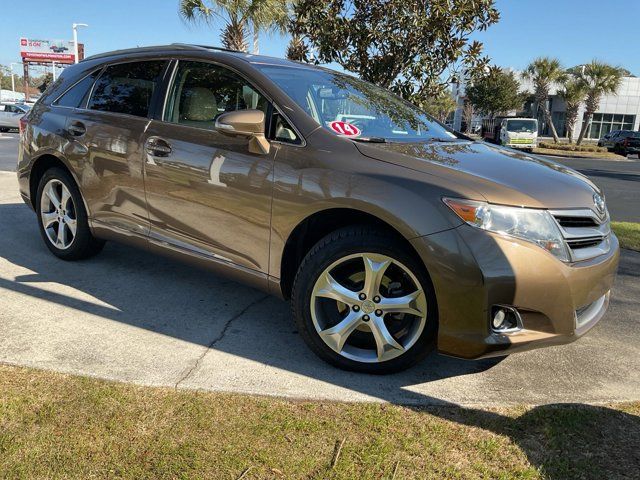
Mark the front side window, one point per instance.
(348, 106)
(75, 95)
(203, 91)
(127, 88)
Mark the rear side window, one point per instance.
(75, 95)
(127, 88)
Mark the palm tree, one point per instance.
(598, 79)
(239, 16)
(297, 50)
(573, 94)
(543, 72)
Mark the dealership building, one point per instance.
(616, 112)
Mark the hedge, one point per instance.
(571, 147)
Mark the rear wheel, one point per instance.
(362, 303)
(62, 217)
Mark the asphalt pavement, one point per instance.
(8, 151)
(620, 180)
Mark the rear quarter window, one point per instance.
(77, 93)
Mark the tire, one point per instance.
(341, 252)
(76, 246)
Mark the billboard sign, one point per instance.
(59, 51)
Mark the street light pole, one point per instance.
(75, 38)
(13, 82)
(54, 70)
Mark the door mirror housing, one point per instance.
(245, 123)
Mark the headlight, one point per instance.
(535, 226)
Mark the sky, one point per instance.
(575, 31)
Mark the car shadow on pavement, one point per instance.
(149, 292)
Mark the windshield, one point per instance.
(522, 126)
(351, 107)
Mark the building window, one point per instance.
(604, 123)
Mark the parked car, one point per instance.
(389, 233)
(609, 140)
(10, 114)
(629, 144)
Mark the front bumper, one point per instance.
(473, 270)
(522, 146)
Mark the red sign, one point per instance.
(344, 128)
(60, 51)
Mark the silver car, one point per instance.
(10, 114)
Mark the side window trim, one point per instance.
(160, 113)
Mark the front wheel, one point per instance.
(362, 303)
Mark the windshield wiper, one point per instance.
(442, 140)
(370, 139)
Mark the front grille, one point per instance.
(576, 222)
(586, 234)
(586, 243)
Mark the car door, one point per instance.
(2, 115)
(206, 193)
(107, 144)
(611, 140)
(6, 116)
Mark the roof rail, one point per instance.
(159, 47)
(206, 47)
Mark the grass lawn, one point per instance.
(628, 233)
(59, 426)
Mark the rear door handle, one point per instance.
(158, 147)
(77, 129)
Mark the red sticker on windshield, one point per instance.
(344, 128)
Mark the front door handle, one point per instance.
(77, 129)
(158, 147)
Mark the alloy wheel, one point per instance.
(58, 213)
(368, 307)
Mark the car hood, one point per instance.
(497, 174)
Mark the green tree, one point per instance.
(598, 79)
(239, 16)
(573, 93)
(496, 92)
(44, 82)
(543, 72)
(413, 47)
(439, 106)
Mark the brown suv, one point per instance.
(390, 233)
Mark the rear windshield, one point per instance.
(522, 126)
(351, 107)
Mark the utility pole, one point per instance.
(75, 38)
(25, 79)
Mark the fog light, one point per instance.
(505, 319)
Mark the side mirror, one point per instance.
(245, 123)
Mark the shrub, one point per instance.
(571, 147)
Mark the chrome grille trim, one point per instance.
(582, 242)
